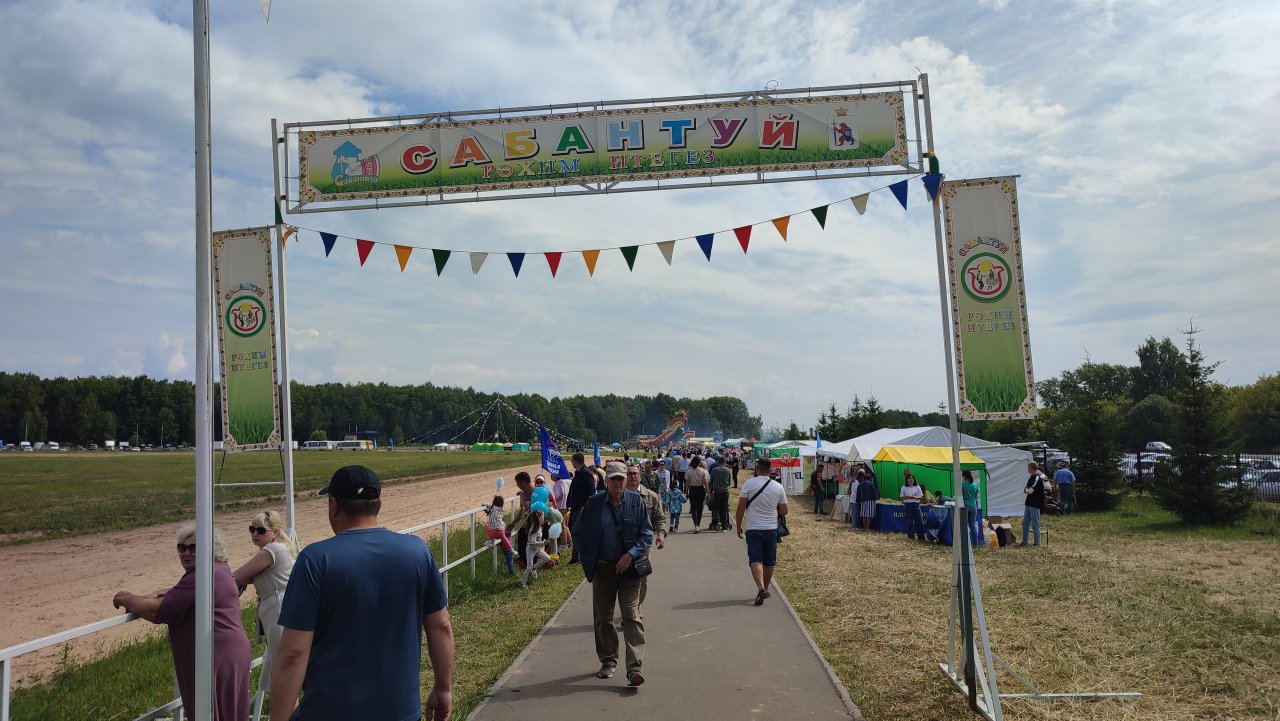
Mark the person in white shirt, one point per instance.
(762, 500)
(664, 476)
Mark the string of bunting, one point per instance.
(932, 183)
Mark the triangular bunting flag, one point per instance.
(591, 256)
(363, 247)
(820, 213)
(517, 260)
(329, 239)
(704, 242)
(265, 5)
(860, 203)
(402, 254)
(288, 231)
(744, 236)
(781, 224)
(666, 247)
(900, 192)
(477, 260)
(931, 185)
(553, 261)
(441, 257)
(629, 252)
(279, 220)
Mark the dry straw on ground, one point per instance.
(1110, 604)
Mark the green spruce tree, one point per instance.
(1194, 485)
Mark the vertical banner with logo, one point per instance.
(246, 339)
(988, 301)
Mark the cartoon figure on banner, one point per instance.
(348, 166)
(843, 130)
(244, 316)
(986, 277)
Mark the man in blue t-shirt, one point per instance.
(1066, 481)
(353, 616)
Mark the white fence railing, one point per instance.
(7, 655)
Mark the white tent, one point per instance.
(844, 450)
(1006, 467)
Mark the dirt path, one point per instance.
(58, 585)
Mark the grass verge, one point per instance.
(493, 620)
(56, 495)
(1120, 601)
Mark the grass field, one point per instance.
(54, 495)
(493, 620)
(1122, 601)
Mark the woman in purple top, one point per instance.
(176, 607)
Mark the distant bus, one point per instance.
(319, 445)
(354, 445)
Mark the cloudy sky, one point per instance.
(1144, 134)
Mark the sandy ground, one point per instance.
(57, 585)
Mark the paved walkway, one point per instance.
(710, 654)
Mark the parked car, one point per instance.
(1267, 487)
(1159, 446)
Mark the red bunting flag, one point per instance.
(553, 261)
(363, 247)
(744, 236)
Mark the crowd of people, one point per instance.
(343, 619)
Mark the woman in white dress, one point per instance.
(269, 571)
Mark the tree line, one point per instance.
(145, 410)
(1098, 411)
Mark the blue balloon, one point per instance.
(540, 506)
(501, 481)
(540, 495)
(555, 530)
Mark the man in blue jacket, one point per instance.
(612, 532)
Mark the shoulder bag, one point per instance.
(640, 567)
(783, 531)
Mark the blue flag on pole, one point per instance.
(596, 444)
(819, 435)
(552, 461)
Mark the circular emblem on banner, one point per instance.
(786, 458)
(986, 277)
(245, 316)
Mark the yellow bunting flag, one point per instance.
(666, 247)
(591, 256)
(860, 203)
(402, 254)
(781, 225)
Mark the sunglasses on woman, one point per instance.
(257, 530)
(186, 548)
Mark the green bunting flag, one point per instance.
(442, 257)
(820, 213)
(629, 252)
(279, 219)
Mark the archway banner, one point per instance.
(988, 299)
(246, 339)
(361, 162)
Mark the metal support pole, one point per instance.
(203, 700)
(473, 547)
(5, 675)
(286, 402)
(444, 553)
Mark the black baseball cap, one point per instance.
(355, 483)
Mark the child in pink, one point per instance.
(496, 530)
